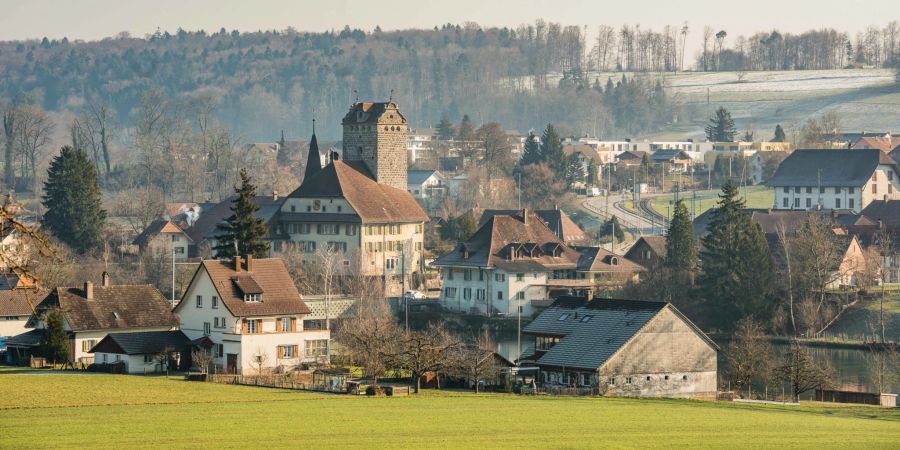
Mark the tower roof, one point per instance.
(372, 112)
(313, 160)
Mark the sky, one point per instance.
(96, 19)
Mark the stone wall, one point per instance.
(381, 143)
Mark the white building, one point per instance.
(146, 351)
(164, 237)
(251, 311)
(835, 179)
(15, 310)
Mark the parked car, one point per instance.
(414, 295)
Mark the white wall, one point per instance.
(500, 293)
(13, 325)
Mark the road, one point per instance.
(647, 222)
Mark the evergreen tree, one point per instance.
(737, 268)
(721, 127)
(611, 227)
(681, 249)
(552, 151)
(466, 130)
(574, 170)
(243, 232)
(54, 340)
(73, 200)
(532, 151)
(445, 129)
(283, 157)
(779, 134)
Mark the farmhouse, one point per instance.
(648, 251)
(15, 310)
(143, 352)
(253, 315)
(623, 348)
(556, 220)
(164, 237)
(835, 179)
(205, 229)
(91, 312)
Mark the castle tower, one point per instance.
(376, 133)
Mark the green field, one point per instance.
(756, 197)
(87, 410)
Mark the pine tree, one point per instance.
(611, 227)
(445, 129)
(721, 127)
(466, 130)
(73, 200)
(574, 170)
(779, 134)
(54, 340)
(243, 232)
(531, 154)
(283, 157)
(737, 268)
(552, 151)
(681, 249)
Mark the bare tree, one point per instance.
(33, 132)
(785, 244)
(370, 337)
(10, 116)
(749, 355)
(684, 33)
(430, 350)
(138, 206)
(259, 359)
(202, 358)
(475, 360)
(802, 371)
(163, 357)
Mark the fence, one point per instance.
(304, 382)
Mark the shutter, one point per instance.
(296, 349)
(280, 351)
(278, 325)
(259, 326)
(244, 327)
(293, 324)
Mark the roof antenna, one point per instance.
(356, 93)
(391, 98)
(314, 126)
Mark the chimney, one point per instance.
(525, 216)
(275, 195)
(105, 277)
(249, 263)
(89, 290)
(237, 263)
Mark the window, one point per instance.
(105, 358)
(850, 203)
(520, 295)
(179, 250)
(874, 188)
(450, 292)
(890, 175)
(328, 228)
(837, 190)
(809, 189)
(851, 189)
(286, 351)
(480, 295)
(822, 190)
(797, 190)
(480, 274)
(148, 359)
(627, 380)
(318, 347)
(563, 317)
(837, 203)
(313, 324)
(253, 326)
(808, 202)
(450, 274)
(586, 318)
(350, 230)
(206, 328)
(467, 293)
(796, 203)
(337, 246)
(88, 344)
(684, 377)
(199, 301)
(215, 302)
(287, 324)
(785, 202)
(787, 190)
(216, 322)
(890, 189)
(666, 377)
(499, 295)
(500, 277)
(545, 343)
(875, 176)
(467, 274)
(308, 246)
(612, 381)
(251, 298)
(339, 208)
(218, 350)
(520, 277)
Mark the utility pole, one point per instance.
(403, 284)
(173, 273)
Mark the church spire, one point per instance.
(313, 160)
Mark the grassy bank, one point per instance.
(128, 411)
(756, 197)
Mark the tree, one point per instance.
(466, 135)
(73, 200)
(54, 339)
(749, 354)
(430, 350)
(243, 232)
(371, 336)
(612, 228)
(552, 152)
(283, 157)
(802, 371)
(531, 154)
(445, 129)
(202, 359)
(475, 360)
(779, 134)
(574, 171)
(721, 127)
(459, 228)
(737, 268)
(10, 116)
(33, 133)
(540, 187)
(498, 157)
(681, 248)
(817, 256)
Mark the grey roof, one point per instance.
(419, 176)
(30, 338)
(668, 155)
(841, 168)
(142, 343)
(591, 331)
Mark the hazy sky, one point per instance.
(95, 19)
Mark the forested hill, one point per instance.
(260, 83)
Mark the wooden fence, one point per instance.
(299, 383)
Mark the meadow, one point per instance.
(755, 197)
(90, 410)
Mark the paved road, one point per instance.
(639, 224)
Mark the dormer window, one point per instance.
(252, 298)
(249, 288)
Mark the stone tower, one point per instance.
(376, 134)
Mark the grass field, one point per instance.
(756, 197)
(76, 411)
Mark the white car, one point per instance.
(414, 295)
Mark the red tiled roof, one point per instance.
(279, 294)
(112, 307)
(372, 201)
(19, 302)
(155, 228)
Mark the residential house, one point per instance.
(835, 179)
(253, 315)
(622, 348)
(91, 312)
(205, 229)
(555, 219)
(164, 237)
(631, 159)
(16, 307)
(882, 217)
(146, 351)
(428, 187)
(183, 214)
(886, 143)
(516, 262)
(674, 161)
(648, 251)
(420, 144)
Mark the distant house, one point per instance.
(515, 262)
(91, 312)
(205, 229)
(883, 216)
(556, 220)
(631, 159)
(16, 307)
(164, 237)
(428, 187)
(253, 315)
(835, 179)
(886, 143)
(675, 161)
(141, 352)
(648, 251)
(622, 348)
(183, 214)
